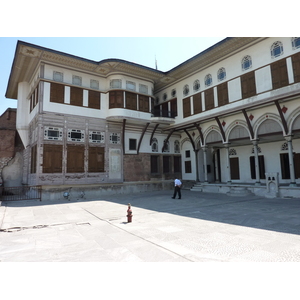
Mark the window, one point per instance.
(58, 76)
(261, 166)
(143, 103)
(279, 74)
(52, 158)
(276, 49)
(248, 85)
(96, 137)
(209, 99)
(166, 146)
(173, 105)
(187, 153)
(75, 159)
(94, 84)
(76, 96)
(143, 88)
(94, 99)
(222, 94)
(130, 85)
(154, 145)
(176, 147)
(296, 42)
(131, 101)
(96, 159)
(116, 84)
(296, 66)
(221, 74)
(154, 160)
(208, 80)
(34, 99)
(188, 166)
(196, 85)
(132, 144)
(116, 99)
(57, 92)
(186, 103)
(246, 63)
(76, 80)
(165, 96)
(53, 133)
(75, 135)
(197, 103)
(173, 93)
(114, 138)
(234, 168)
(33, 159)
(186, 90)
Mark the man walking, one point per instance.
(177, 189)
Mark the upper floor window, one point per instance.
(94, 84)
(176, 147)
(116, 84)
(276, 49)
(166, 146)
(76, 80)
(114, 138)
(96, 137)
(58, 76)
(296, 42)
(143, 89)
(165, 96)
(186, 90)
(221, 74)
(246, 63)
(154, 145)
(173, 93)
(53, 133)
(130, 85)
(208, 80)
(196, 85)
(75, 135)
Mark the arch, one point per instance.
(233, 126)
(264, 118)
(293, 120)
(246, 62)
(183, 141)
(198, 142)
(276, 49)
(211, 134)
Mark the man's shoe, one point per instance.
(179, 198)
(173, 197)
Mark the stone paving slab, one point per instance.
(200, 227)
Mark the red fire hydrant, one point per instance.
(129, 213)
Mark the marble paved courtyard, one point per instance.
(201, 227)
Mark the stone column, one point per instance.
(205, 162)
(197, 169)
(291, 160)
(228, 163)
(216, 166)
(257, 177)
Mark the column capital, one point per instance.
(288, 138)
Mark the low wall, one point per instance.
(77, 192)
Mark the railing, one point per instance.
(17, 193)
(162, 113)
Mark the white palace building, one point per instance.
(227, 120)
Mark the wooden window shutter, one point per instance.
(75, 159)
(296, 66)
(234, 168)
(96, 159)
(52, 158)
(165, 110)
(222, 94)
(131, 101)
(116, 99)
(154, 163)
(248, 85)
(197, 103)
(279, 74)
(94, 99)
(186, 103)
(57, 92)
(188, 166)
(174, 107)
(33, 159)
(143, 103)
(209, 99)
(76, 97)
(297, 164)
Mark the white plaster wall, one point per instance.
(263, 79)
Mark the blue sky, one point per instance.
(168, 51)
